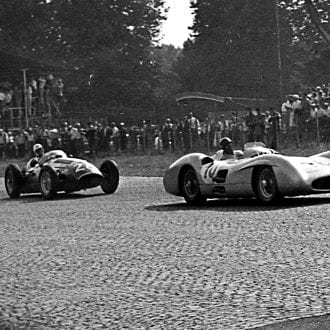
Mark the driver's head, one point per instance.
(38, 150)
(226, 145)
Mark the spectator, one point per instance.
(59, 86)
(31, 140)
(259, 130)
(298, 117)
(21, 141)
(115, 138)
(194, 131)
(149, 134)
(91, 138)
(286, 110)
(64, 137)
(11, 147)
(3, 143)
(250, 123)
(244, 130)
(54, 137)
(2, 99)
(187, 141)
(220, 130)
(133, 138)
(76, 140)
(166, 134)
(274, 128)
(41, 93)
(267, 126)
(235, 128)
(45, 139)
(123, 137)
(103, 134)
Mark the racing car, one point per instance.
(57, 172)
(256, 172)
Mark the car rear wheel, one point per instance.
(48, 183)
(190, 188)
(110, 172)
(13, 180)
(266, 189)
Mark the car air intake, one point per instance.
(90, 180)
(221, 176)
(322, 183)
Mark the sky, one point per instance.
(175, 29)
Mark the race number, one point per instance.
(210, 171)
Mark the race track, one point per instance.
(143, 259)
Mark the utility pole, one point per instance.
(25, 98)
(279, 57)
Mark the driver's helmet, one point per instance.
(38, 149)
(225, 141)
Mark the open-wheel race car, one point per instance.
(256, 172)
(57, 172)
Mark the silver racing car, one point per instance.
(256, 172)
(58, 172)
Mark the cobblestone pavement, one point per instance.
(143, 259)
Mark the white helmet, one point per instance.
(225, 140)
(37, 146)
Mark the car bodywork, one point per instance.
(67, 174)
(236, 178)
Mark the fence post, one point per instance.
(25, 98)
(317, 129)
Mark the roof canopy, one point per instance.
(226, 100)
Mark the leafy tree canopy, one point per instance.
(106, 43)
(240, 48)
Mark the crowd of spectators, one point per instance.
(43, 94)
(301, 110)
(295, 121)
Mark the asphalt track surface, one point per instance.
(141, 258)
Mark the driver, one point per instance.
(38, 151)
(226, 151)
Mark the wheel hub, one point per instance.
(267, 185)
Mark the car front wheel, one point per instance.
(190, 189)
(13, 180)
(48, 183)
(110, 172)
(266, 189)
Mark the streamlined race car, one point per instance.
(58, 172)
(256, 172)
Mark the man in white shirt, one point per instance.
(194, 128)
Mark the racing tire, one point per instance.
(48, 183)
(265, 186)
(13, 181)
(189, 187)
(110, 182)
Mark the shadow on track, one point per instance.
(241, 205)
(35, 198)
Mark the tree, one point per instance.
(310, 47)
(167, 86)
(106, 44)
(234, 49)
(309, 19)
(239, 48)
